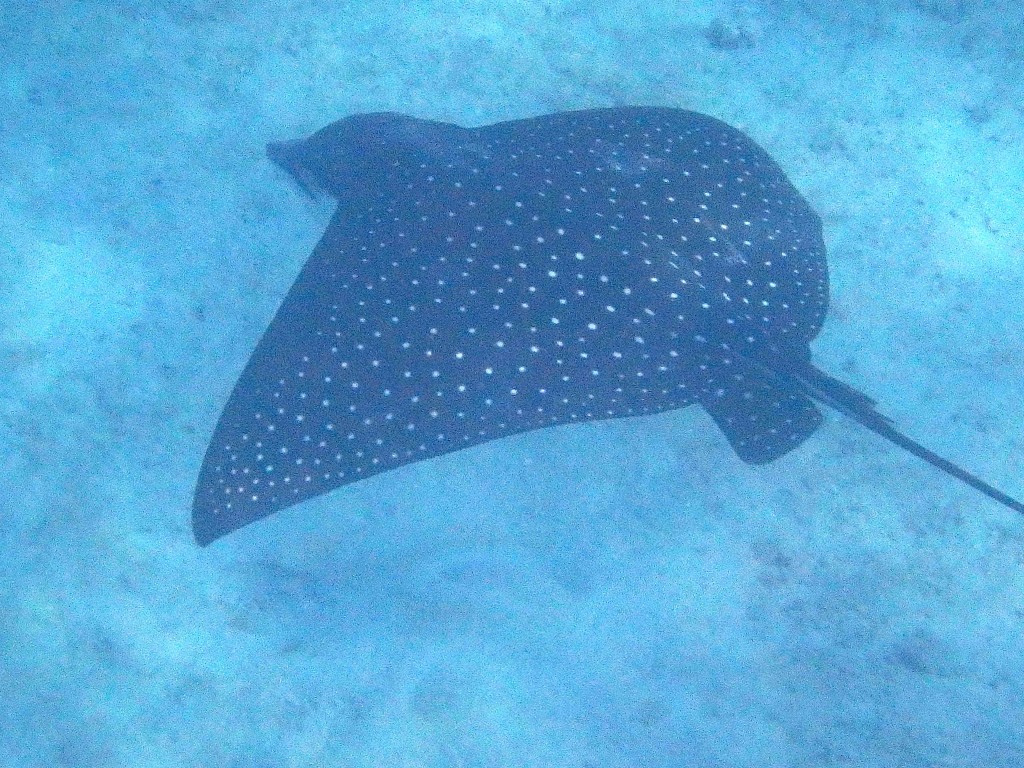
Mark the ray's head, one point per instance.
(340, 159)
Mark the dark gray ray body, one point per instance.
(475, 283)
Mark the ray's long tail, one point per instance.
(843, 398)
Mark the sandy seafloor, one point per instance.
(610, 595)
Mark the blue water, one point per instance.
(612, 595)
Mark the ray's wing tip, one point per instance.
(203, 536)
(204, 527)
(204, 531)
(208, 522)
(212, 521)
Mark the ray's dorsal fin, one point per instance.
(841, 397)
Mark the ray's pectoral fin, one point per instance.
(759, 415)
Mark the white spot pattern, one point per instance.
(479, 283)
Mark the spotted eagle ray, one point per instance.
(477, 283)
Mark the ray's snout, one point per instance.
(283, 153)
(287, 155)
